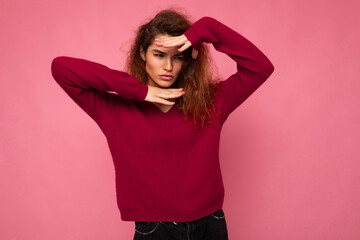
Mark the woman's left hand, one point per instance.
(177, 41)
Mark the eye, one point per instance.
(158, 55)
(179, 57)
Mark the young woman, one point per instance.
(162, 119)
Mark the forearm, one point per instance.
(73, 73)
(249, 58)
(253, 67)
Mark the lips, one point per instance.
(166, 77)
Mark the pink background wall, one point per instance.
(290, 154)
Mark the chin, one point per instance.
(165, 84)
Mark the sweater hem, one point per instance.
(153, 217)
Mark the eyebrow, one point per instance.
(156, 50)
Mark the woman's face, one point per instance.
(163, 65)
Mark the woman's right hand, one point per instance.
(160, 95)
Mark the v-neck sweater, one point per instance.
(165, 169)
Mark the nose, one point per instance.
(168, 64)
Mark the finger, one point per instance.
(185, 46)
(161, 41)
(170, 95)
(171, 90)
(163, 101)
(168, 37)
(173, 41)
(194, 53)
(178, 42)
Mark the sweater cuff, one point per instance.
(141, 94)
(199, 32)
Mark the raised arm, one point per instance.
(87, 83)
(253, 67)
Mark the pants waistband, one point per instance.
(177, 223)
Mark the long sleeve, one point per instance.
(253, 67)
(87, 83)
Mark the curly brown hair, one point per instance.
(196, 77)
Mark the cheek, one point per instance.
(152, 64)
(178, 67)
(149, 67)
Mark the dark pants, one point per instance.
(210, 227)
